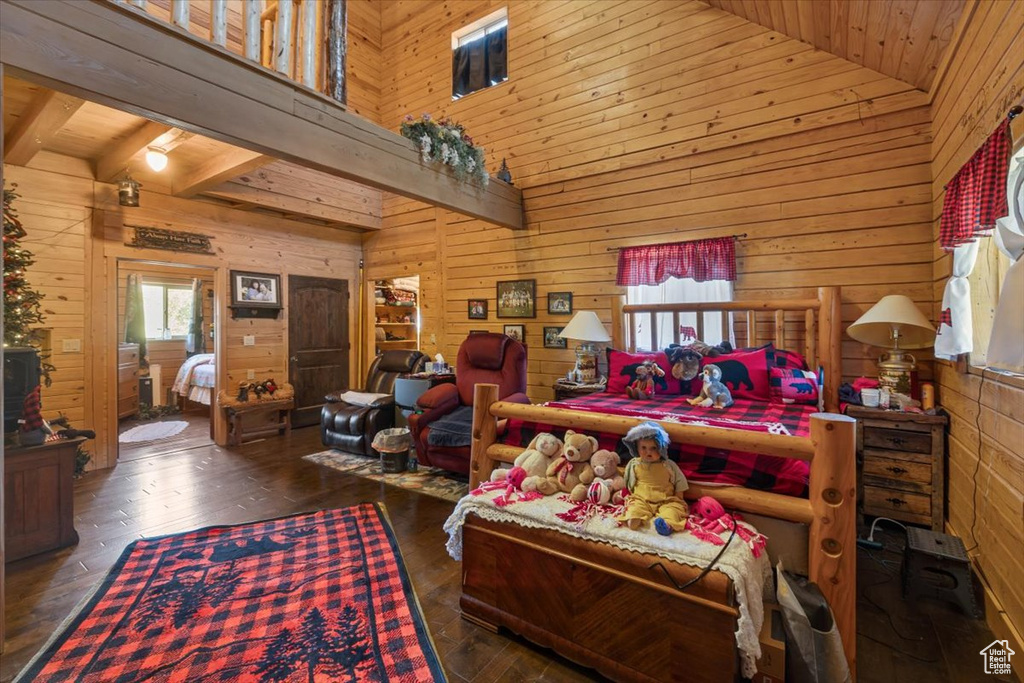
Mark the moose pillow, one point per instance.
(789, 385)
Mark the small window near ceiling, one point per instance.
(168, 310)
(480, 54)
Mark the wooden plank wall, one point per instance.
(984, 78)
(638, 122)
(168, 354)
(242, 240)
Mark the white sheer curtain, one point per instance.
(680, 290)
(1006, 345)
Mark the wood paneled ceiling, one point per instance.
(904, 39)
(38, 120)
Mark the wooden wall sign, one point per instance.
(169, 240)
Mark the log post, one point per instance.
(675, 326)
(219, 22)
(809, 340)
(700, 326)
(337, 35)
(179, 13)
(283, 38)
(654, 331)
(780, 329)
(830, 344)
(618, 322)
(308, 46)
(251, 29)
(751, 328)
(485, 434)
(726, 326)
(832, 539)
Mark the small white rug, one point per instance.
(153, 431)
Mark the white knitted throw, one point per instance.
(750, 575)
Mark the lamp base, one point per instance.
(585, 371)
(895, 370)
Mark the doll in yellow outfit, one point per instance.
(655, 483)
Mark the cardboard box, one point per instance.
(771, 667)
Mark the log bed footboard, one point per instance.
(501, 561)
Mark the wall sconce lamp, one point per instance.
(128, 191)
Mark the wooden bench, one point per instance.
(236, 414)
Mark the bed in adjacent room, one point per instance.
(196, 379)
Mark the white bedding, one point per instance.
(750, 575)
(196, 379)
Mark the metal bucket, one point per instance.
(894, 371)
(393, 446)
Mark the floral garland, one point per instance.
(447, 142)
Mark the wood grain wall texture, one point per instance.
(640, 122)
(242, 241)
(985, 77)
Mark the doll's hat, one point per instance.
(647, 430)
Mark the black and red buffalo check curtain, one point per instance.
(322, 596)
(702, 260)
(976, 196)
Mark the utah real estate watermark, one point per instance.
(997, 657)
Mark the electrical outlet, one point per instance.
(249, 340)
(71, 345)
(250, 374)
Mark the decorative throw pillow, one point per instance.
(622, 371)
(781, 358)
(789, 385)
(745, 373)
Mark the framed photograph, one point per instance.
(560, 303)
(517, 299)
(517, 332)
(255, 290)
(477, 309)
(552, 340)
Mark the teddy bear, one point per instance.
(647, 373)
(686, 359)
(571, 471)
(608, 483)
(529, 471)
(714, 394)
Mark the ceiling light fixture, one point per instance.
(128, 191)
(156, 158)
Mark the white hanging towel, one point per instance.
(956, 326)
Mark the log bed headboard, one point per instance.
(811, 326)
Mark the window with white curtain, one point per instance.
(680, 290)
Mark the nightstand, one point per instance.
(902, 465)
(566, 391)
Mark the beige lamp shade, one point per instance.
(894, 312)
(585, 326)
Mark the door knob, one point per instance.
(294, 359)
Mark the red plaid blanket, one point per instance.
(700, 464)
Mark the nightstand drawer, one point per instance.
(881, 501)
(897, 473)
(897, 440)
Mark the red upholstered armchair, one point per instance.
(483, 358)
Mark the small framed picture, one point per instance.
(560, 303)
(517, 299)
(255, 290)
(517, 332)
(477, 309)
(552, 340)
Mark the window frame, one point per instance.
(469, 33)
(665, 318)
(165, 287)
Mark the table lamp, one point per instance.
(897, 323)
(585, 327)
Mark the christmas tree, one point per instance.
(22, 304)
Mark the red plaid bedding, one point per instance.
(700, 464)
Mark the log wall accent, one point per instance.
(61, 210)
(982, 80)
(659, 121)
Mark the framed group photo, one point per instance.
(517, 299)
(560, 303)
(255, 290)
(517, 332)
(477, 309)
(552, 340)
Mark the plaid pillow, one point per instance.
(745, 373)
(780, 358)
(789, 385)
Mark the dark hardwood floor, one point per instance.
(211, 485)
(196, 434)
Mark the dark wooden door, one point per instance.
(318, 343)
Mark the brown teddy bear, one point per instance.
(647, 374)
(571, 471)
(608, 483)
(534, 462)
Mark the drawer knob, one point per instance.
(896, 470)
(896, 501)
(898, 441)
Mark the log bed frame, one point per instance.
(563, 593)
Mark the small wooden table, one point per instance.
(236, 414)
(39, 502)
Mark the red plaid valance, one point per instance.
(976, 196)
(702, 260)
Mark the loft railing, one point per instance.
(302, 39)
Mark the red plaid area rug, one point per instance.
(314, 597)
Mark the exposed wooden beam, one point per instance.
(127, 60)
(114, 162)
(217, 170)
(251, 196)
(42, 119)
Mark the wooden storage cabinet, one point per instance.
(127, 380)
(903, 465)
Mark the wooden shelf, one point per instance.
(398, 341)
(393, 324)
(403, 308)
